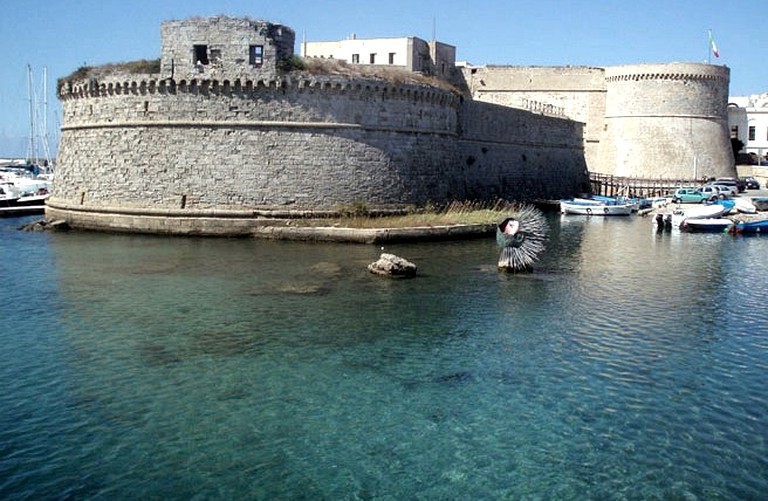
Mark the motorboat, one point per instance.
(590, 207)
(707, 224)
(750, 227)
(680, 215)
(13, 203)
(728, 203)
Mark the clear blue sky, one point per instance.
(63, 35)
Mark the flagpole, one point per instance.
(709, 47)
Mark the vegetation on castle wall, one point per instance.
(292, 65)
(336, 67)
(143, 66)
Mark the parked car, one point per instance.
(739, 187)
(724, 190)
(751, 183)
(691, 196)
(713, 192)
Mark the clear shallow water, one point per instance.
(629, 365)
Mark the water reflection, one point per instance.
(623, 366)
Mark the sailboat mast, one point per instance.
(46, 144)
(31, 146)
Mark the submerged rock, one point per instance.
(45, 225)
(392, 266)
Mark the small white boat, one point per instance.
(709, 224)
(586, 207)
(744, 205)
(680, 215)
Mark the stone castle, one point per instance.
(228, 134)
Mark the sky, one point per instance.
(55, 37)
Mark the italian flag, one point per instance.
(713, 45)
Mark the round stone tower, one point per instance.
(666, 121)
(220, 137)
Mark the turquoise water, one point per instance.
(629, 365)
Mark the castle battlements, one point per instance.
(150, 85)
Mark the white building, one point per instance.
(748, 121)
(411, 53)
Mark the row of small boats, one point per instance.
(709, 217)
(712, 218)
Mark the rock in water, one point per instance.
(45, 225)
(393, 266)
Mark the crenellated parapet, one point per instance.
(636, 77)
(244, 87)
(296, 102)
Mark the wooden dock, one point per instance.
(608, 185)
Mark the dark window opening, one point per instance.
(373, 58)
(256, 55)
(391, 58)
(201, 54)
(751, 132)
(355, 58)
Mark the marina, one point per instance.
(148, 366)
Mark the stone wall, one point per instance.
(309, 144)
(518, 155)
(571, 92)
(315, 144)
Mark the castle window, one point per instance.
(373, 58)
(256, 55)
(355, 58)
(391, 58)
(735, 131)
(751, 133)
(200, 54)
